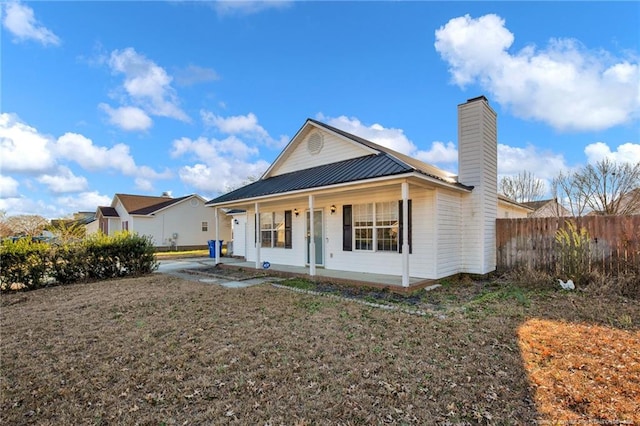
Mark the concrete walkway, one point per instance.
(188, 269)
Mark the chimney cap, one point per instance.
(478, 98)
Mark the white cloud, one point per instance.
(22, 148)
(625, 153)
(78, 148)
(208, 150)
(194, 74)
(221, 163)
(64, 181)
(439, 153)
(127, 118)
(248, 7)
(84, 201)
(144, 184)
(227, 173)
(245, 125)
(8, 187)
(20, 21)
(19, 206)
(564, 85)
(542, 164)
(147, 84)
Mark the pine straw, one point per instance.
(160, 350)
(583, 373)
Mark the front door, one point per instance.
(317, 237)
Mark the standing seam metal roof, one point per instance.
(371, 166)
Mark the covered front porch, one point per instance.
(392, 282)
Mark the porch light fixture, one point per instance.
(333, 209)
(296, 212)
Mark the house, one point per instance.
(511, 209)
(547, 208)
(336, 201)
(172, 223)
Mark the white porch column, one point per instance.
(405, 234)
(217, 250)
(257, 236)
(312, 240)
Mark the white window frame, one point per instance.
(374, 223)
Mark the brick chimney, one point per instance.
(478, 167)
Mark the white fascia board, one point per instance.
(330, 188)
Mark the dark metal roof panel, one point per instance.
(108, 211)
(161, 205)
(352, 170)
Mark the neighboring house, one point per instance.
(511, 209)
(630, 203)
(375, 210)
(547, 208)
(172, 223)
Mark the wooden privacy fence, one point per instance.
(613, 243)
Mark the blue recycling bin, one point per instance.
(212, 248)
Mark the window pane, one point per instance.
(363, 214)
(364, 239)
(266, 238)
(266, 220)
(387, 239)
(279, 229)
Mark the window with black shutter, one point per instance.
(347, 226)
(287, 229)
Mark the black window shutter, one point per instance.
(287, 229)
(256, 227)
(401, 226)
(347, 234)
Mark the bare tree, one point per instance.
(606, 187)
(523, 188)
(27, 225)
(568, 193)
(610, 187)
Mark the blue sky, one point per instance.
(194, 97)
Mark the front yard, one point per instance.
(158, 350)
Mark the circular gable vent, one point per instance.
(315, 142)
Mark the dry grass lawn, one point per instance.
(159, 350)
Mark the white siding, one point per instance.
(183, 219)
(421, 261)
(92, 227)
(509, 211)
(240, 235)
(449, 234)
(334, 149)
(477, 142)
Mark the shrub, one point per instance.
(28, 265)
(24, 264)
(574, 248)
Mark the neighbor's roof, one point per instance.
(535, 205)
(385, 163)
(108, 211)
(506, 199)
(144, 204)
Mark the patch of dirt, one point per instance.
(162, 350)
